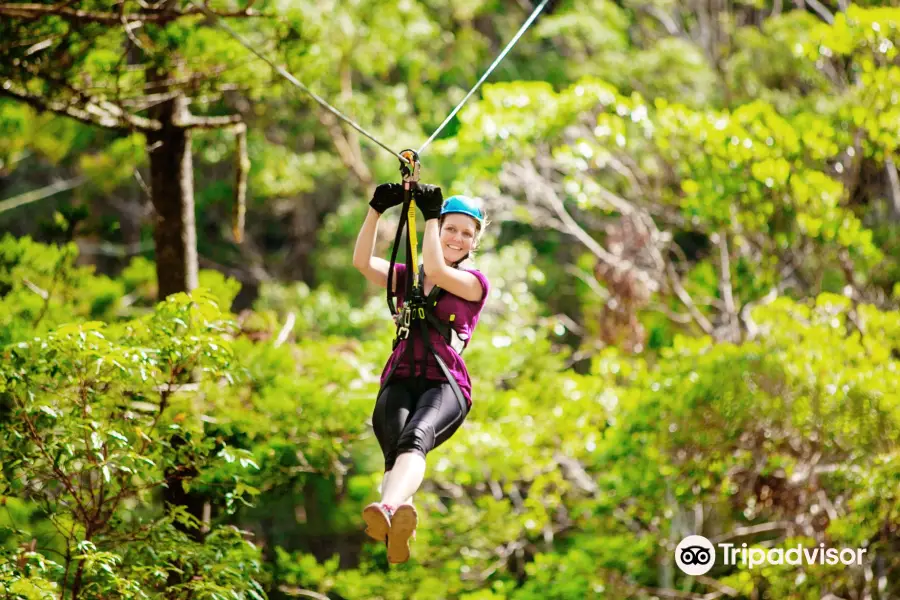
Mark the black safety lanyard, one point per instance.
(410, 173)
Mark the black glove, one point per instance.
(387, 195)
(429, 200)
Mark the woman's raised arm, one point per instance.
(375, 269)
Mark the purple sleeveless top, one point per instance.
(464, 322)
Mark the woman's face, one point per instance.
(457, 236)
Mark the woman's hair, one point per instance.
(479, 227)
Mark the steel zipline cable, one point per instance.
(487, 73)
(284, 73)
(296, 82)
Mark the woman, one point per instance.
(417, 411)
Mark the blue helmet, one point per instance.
(463, 205)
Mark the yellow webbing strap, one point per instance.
(413, 242)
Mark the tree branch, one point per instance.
(345, 148)
(44, 294)
(535, 183)
(194, 122)
(893, 187)
(128, 28)
(670, 314)
(685, 298)
(721, 587)
(241, 167)
(286, 330)
(75, 15)
(589, 280)
(663, 18)
(115, 250)
(725, 288)
(821, 10)
(746, 313)
(574, 472)
(752, 530)
(352, 136)
(40, 194)
(91, 113)
(295, 591)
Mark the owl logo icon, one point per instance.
(695, 555)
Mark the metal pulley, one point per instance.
(409, 170)
(410, 173)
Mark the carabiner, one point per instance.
(406, 316)
(410, 170)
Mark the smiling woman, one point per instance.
(461, 224)
(425, 387)
(458, 236)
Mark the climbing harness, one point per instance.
(417, 308)
(454, 204)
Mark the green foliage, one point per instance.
(654, 440)
(866, 38)
(116, 164)
(99, 407)
(28, 576)
(584, 474)
(22, 130)
(766, 66)
(765, 178)
(41, 287)
(581, 465)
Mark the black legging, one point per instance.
(415, 415)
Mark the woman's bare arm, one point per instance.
(373, 268)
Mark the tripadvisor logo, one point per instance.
(696, 555)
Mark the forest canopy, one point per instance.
(693, 325)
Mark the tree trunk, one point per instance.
(172, 187)
(175, 234)
(893, 188)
